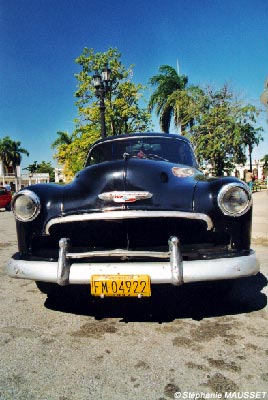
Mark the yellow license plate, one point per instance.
(121, 285)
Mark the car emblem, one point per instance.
(124, 197)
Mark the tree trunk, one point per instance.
(219, 167)
(250, 157)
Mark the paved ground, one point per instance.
(260, 213)
(198, 339)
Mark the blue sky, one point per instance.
(215, 41)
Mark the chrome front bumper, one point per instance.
(175, 271)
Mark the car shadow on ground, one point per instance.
(167, 303)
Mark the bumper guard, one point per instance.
(174, 254)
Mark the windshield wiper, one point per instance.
(126, 156)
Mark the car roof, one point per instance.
(141, 134)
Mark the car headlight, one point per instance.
(234, 199)
(182, 172)
(26, 205)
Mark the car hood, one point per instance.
(132, 184)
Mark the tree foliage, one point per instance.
(265, 165)
(123, 113)
(223, 129)
(73, 155)
(186, 105)
(220, 125)
(42, 168)
(168, 84)
(11, 154)
(64, 138)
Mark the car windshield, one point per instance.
(173, 150)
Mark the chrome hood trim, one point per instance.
(127, 214)
(125, 196)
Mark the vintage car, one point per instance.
(5, 198)
(140, 213)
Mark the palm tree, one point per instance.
(4, 144)
(63, 138)
(187, 104)
(15, 157)
(11, 155)
(251, 138)
(167, 82)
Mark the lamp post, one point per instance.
(102, 85)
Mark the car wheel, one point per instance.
(8, 207)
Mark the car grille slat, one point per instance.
(140, 235)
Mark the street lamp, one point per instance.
(102, 85)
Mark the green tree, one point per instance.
(265, 165)
(43, 168)
(46, 167)
(11, 155)
(251, 138)
(187, 105)
(167, 82)
(64, 138)
(124, 113)
(224, 128)
(32, 168)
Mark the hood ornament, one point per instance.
(125, 196)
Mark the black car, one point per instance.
(139, 213)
